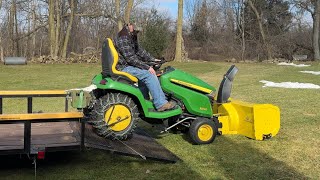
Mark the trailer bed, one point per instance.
(66, 136)
(47, 135)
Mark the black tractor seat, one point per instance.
(110, 58)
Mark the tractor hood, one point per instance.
(195, 94)
(186, 80)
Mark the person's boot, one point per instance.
(169, 105)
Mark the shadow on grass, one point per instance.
(93, 164)
(22, 167)
(242, 161)
(237, 159)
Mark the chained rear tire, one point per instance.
(203, 131)
(115, 116)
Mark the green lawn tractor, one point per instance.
(117, 105)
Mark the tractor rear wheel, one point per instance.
(202, 131)
(115, 116)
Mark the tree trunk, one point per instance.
(57, 29)
(26, 49)
(119, 22)
(67, 37)
(63, 27)
(17, 49)
(263, 35)
(1, 50)
(1, 47)
(243, 31)
(128, 11)
(11, 30)
(316, 25)
(34, 28)
(41, 45)
(178, 53)
(52, 28)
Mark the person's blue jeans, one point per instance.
(148, 81)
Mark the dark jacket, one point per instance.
(130, 52)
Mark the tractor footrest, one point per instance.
(139, 145)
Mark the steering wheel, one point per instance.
(157, 64)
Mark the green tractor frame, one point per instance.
(115, 107)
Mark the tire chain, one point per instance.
(99, 123)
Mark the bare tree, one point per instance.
(243, 47)
(34, 24)
(240, 22)
(191, 8)
(1, 47)
(57, 28)
(128, 11)
(262, 31)
(316, 31)
(72, 4)
(238, 8)
(178, 53)
(13, 29)
(313, 7)
(52, 32)
(119, 22)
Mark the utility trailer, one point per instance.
(34, 134)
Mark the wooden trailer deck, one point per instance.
(47, 135)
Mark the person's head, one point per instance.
(132, 25)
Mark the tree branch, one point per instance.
(305, 6)
(31, 32)
(304, 47)
(91, 15)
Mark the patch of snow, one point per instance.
(311, 72)
(87, 89)
(295, 85)
(292, 64)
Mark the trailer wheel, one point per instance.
(115, 116)
(202, 131)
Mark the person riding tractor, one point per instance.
(132, 59)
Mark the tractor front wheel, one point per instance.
(115, 116)
(202, 131)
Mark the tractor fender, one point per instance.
(129, 89)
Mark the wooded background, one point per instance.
(73, 30)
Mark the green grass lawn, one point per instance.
(293, 154)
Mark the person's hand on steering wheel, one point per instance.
(152, 71)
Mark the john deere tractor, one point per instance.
(118, 104)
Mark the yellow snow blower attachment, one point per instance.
(256, 121)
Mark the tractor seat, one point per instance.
(110, 58)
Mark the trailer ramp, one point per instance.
(141, 145)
